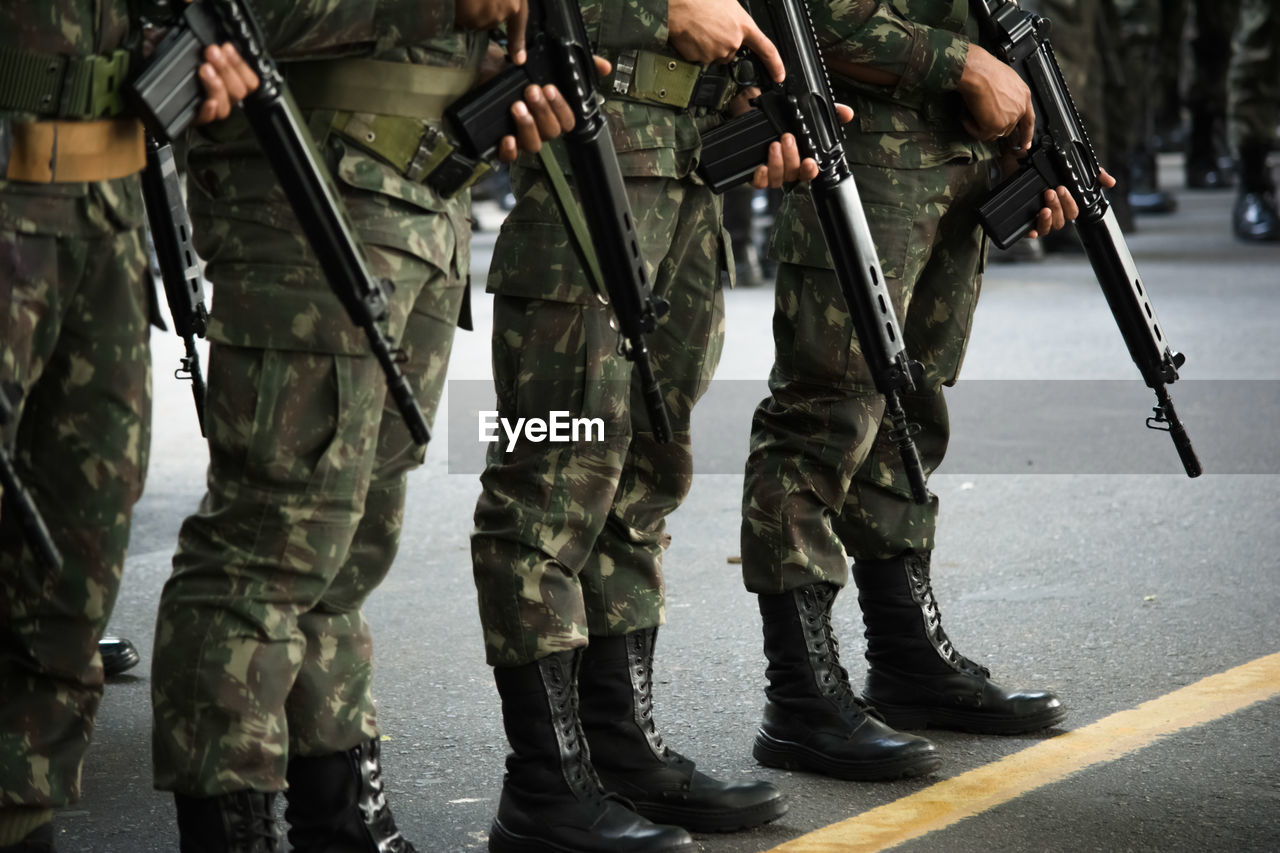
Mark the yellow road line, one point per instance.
(986, 787)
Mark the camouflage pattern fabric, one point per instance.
(822, 482)
(73, 338)
(568, 537)
(261, 648)
(1206, 86)
(1253, 81)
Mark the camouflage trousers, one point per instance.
(1253, 80)
(823, 482)
(74, 338)
(262, 651)
(568, 537)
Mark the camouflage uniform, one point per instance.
(1253, 81)
(568, 537)
(73, 337)
(261, 649)
(822, 478)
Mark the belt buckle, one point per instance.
(624, 71)
(427, 155)
(106, 83)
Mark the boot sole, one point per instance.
(788, 755)
(503, 840)
(915, 717)
(697, 820)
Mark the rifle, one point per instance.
(559, 52)
(1061, 155)
(179, 265)
(16, 496)
(168, 95)
(804, 106)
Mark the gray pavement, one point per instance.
(1112, 587)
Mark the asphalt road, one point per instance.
(1112, 587)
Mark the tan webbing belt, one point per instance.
(371, 86)
(72, 151)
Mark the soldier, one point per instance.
(263, 660)
(567, 548)
(823, 482)
(73, 339)
(1253, 111)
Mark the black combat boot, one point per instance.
(616, 696)
(812, 718)
(118, 655)
(1256, 218)
(335, 804)
(1145, 195)
(915, 677)
(38, 840)
(552, 799)
(1205, 170)
(242, 822)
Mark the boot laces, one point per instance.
(922, 594)
(824, 646)
(641, 665)
(257, 832)
(373, 803)
(579, 773)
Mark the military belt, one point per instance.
(46, 152)
(57, 86)
(390, 110)
(656, 78)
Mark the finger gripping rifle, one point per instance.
(169, 95)
(559, 52)
(804, 106)
(17, 498)
(1062, 155)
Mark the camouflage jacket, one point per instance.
(651, 140)
(915, 124)
(70, 28)
(232, 187)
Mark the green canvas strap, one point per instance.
(56, 86)
(384, 88)
(656, 78)
(573, 214)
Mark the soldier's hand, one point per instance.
(784, 163)
(1060, 208)
(543, 114)
(999, 103)
(706, 31)
(487, 14)
(227, 79)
